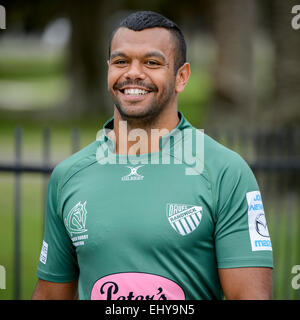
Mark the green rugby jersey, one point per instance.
(152, 229)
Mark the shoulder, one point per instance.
(229, 172)
(64, 169)
(220, 159)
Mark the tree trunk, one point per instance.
(87, 56)
(233, 96)
(285, 109)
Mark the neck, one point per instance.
(138, 136)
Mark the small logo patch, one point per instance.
(75, 223)
(184, 218)
(44, 252)
(133, 175)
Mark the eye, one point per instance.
(120, 62)
(152, 63)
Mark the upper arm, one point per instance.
(58, 259)
(246, 283)
(243, 246)
(241, 234)
(46, 290)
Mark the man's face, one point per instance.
(141, 76)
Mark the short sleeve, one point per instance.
(58, 262)
(241, 233)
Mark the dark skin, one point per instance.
(147, 57)
(145, 60)
(46, 290)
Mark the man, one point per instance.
(159, 227)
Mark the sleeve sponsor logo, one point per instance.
(44, 252)
(136, 286)
(258, 229)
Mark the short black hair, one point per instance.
(141, 20)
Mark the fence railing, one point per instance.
(274, 158)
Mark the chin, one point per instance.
(136, 112)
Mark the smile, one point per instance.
(135, 92)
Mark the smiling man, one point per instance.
(147, 69)
(144, 229)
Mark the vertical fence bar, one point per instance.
(17, 222)
(46, 163)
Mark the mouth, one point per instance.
(135, 93)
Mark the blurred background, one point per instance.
(244, 91)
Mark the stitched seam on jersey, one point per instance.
(79, 169)
(59, 189)
(182, 158)
(64, 183)
(242, 262)
(52, 276)
(212, 187)
(254, 259)
(210, 181)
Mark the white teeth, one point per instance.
(135, 91)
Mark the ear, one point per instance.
(182, 77)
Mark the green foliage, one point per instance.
(193, 100)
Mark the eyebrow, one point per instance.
(156, 54)
(117, 54)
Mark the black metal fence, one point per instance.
(17, 168)
(274, 156)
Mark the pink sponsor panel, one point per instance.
(136, 286)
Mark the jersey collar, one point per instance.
(167, 141)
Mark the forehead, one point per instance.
(141, 42)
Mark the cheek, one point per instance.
(168, 84)
(161, 81)
(110, 81)
(112, 78)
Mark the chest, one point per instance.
(148, 207)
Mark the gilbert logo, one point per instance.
(184, 218)
(133, 175)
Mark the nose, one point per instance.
(135, 71)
